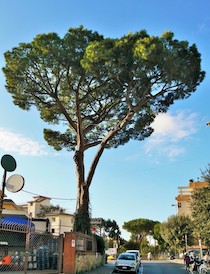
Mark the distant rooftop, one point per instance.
(39, 199)
(187, 190)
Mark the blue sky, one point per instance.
(137, 180)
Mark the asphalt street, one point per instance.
(148, 267)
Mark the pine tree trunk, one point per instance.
(82, 216)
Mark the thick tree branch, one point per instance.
(108, 137)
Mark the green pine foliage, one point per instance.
(99, 92)
(201, 214)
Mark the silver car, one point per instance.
(127, 262)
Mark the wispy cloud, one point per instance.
(204, 26)
(15, 142)
(170, 130)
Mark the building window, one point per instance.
(53, 230)
(53, 219)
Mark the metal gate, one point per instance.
(22, 249)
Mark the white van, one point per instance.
(137, 252)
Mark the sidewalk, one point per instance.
(32, 272)
(180, 261)
(105, 269)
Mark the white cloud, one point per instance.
(170, 130)
(15, 142)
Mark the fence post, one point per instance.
(60, 252)
(28, 234)
(69, 259)
(26, 251)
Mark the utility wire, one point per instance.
(54, 198)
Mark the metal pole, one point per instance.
(60, 253)
(28, 234)
(186, 244)
(2, 194)
(201, 251)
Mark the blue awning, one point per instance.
(18, 222)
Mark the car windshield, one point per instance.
(130, 257)
(136, 253)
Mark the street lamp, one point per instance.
(14, 183)
(176, 205)
(9, 164)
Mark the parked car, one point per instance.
(110, 257)
(127, 262)
(137, 252)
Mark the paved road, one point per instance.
(151, 267)
(148, 267)
(166, 267)
(31, 272)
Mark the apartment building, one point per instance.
(34, 207)
(60, 222)
(49, 218)
(184, 197)
(45, 217)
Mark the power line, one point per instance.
(54, 198)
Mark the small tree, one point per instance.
(49, 209)
(110, 232)
(162, 245)
(206, 174)
(104, 92)
(201, 214)
(111, 229)
(176, 231)
(139, 228)
(144, 246)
